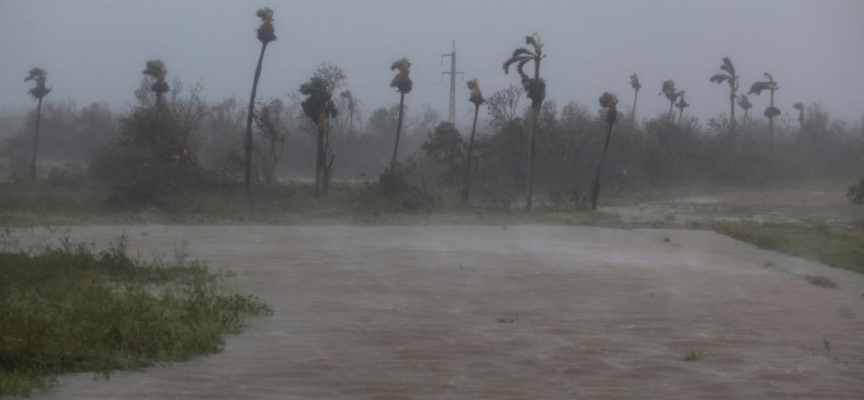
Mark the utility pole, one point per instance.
(453, 74)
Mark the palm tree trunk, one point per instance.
(771, 128)
(398, 130)
(744, 124)
(671, 103)
(680, 115)
(36, 140)
(327, 164)
(532, 135)
(596, 192)
(248, 141)
(319, 157)
(466, 177)
(633, 116)
(733, 137)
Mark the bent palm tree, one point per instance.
(671, 94)
(732, 79)
(744, 103)
(266, 34)
(634, 82)
(157, 70)
(681, 105)
(607, 101)
(403, 84)
(535, 88)
(770, 112)
(319, 107)
(478, 100)
(800, 107)
(38, 92)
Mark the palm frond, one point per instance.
(400, 64)
(769, 77)
(155, 68)
(35, 73)
(798, 106)
(608, 100)
(720, 78)
(727, 66)
(518, 55)
(634, 82)
(758, 87)
(264, 13)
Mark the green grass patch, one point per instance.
(835, 246)
(72, 309)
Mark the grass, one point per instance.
(692, 355)
(72, 309)
(834, 246)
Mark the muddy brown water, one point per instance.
(526, 312)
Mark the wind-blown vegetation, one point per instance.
(74, 309)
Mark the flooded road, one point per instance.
(523, 312)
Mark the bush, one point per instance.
(71, 309)
(396, 191)
(69, 176)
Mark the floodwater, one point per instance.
(519, 312)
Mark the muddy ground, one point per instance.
(522, 312)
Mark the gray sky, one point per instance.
(96, 49)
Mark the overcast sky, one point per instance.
(96, 50)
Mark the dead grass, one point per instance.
(822, 281)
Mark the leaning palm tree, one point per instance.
(319, 107)
(38, 92)
(634, 82)
(607, 101)
(266, 34)
(732, 79)
(476, 98)
(403, 84)
(535, 88)
(682, 104)
(744, 103)
(671, 94)
(770, 112)
(800, 107)
(156, 69)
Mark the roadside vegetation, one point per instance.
(831, 245)
(72, 308)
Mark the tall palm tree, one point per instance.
(535, 88)
(319, 107)
(732, 79)
(744, 103)
(770, 112)
(634, 82)
(403, 84)
(607, 101)
(800, 107)
(682, 104)
(266, 34)
(476, 98)
(671, 94)
(38, 92)
(349, 98)
(157, 70)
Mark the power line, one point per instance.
(453, 74)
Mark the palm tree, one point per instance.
(770, 112)
(671, 94)
(607, 101)
(535, 88)
(38, 92)
(157, 70)
(681, 105)
(800, 107)
(319, 107)
(476, 98)
(349, 98)
(266, 34)
(732, 79)
(403, 84)
(634, 82)
(744, 103)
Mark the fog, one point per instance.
(95, 50)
